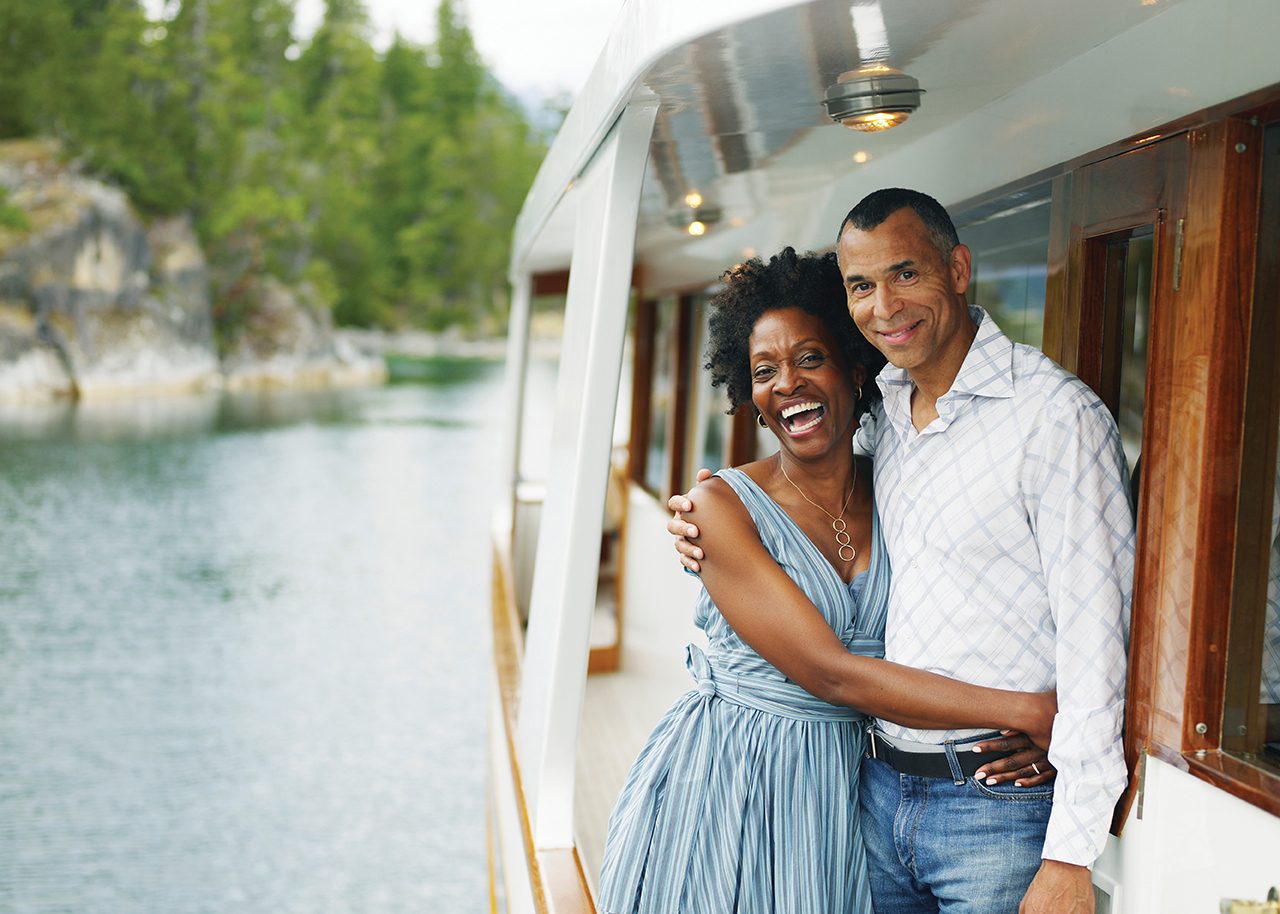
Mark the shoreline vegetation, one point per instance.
(200, 196)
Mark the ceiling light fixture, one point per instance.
(695, 221)
(873, 98)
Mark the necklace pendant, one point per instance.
(843, 542)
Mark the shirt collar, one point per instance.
(987, 371)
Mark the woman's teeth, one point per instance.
(795, 419)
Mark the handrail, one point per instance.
(559, 885)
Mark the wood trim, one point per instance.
(559, 884)
(1236, 777)
(742, 439)
(681, 394)
(1060, 308)
(1218, 263)
(565, 881)
(554, 282)
(641, 388)
(1190, 490)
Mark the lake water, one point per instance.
(243, 651)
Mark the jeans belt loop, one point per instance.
(957, 773)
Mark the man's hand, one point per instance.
(1059, 888)
(680, 505)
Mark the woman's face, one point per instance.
(799, 382)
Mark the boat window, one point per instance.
(662, 384)
(1251, 713)
(1128, 259)
(713, 427)
(1009, 239)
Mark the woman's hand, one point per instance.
(1027, 767)
(683, 531)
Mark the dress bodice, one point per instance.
(855, 611)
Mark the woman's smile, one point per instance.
(798, 418)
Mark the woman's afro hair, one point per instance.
(810, 282)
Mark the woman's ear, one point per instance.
(858, 374)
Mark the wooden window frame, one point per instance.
(644, 330)
(1191, 499)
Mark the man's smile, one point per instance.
(902, 334)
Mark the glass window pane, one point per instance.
(658, 464)
(1269, 688)
(1251, 716)
(1010, 253)
(711, 436)
(1133, 351)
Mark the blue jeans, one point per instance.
(937, 846)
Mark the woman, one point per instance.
(745, 796)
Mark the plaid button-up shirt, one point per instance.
(1011, 536)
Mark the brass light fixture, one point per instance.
(697, 220)
(872, 99)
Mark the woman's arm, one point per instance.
(770, 612)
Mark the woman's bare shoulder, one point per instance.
(720, 510)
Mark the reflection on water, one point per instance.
(242, 644)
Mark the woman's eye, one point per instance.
(761, 374)
(811, 358)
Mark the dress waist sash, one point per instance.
(770, 694)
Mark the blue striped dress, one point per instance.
(745, 797)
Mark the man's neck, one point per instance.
(933, 380)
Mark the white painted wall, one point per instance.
(1194, 846)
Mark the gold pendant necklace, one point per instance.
(843, 541)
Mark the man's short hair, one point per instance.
(879, 205)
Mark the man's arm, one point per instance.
(1079, 506)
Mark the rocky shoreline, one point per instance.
(97, 304)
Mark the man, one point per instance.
(1002, 489)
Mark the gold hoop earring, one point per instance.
(760, 420)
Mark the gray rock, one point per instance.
(96, 304)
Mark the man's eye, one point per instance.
(907, 275)
(860, 288)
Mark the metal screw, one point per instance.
(1242, 729)
(1202, 728)
(1241, 147)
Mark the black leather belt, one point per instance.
(928, 764)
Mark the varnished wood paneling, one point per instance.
(641, 389)
(1218, 263)
(682, 388)
(1059, 308)
(1108, 201)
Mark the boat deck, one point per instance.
(619, 712)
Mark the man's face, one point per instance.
(905, 297)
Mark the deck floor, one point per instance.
(619, 712)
